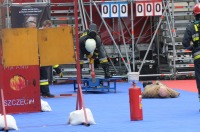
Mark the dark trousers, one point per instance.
(197, 74)
(44, 75)
(44, 72)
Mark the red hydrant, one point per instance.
(135, 99)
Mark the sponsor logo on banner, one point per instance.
(17, 82)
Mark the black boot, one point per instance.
(105, 67)
(44, 90)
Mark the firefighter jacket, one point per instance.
(192, 35)
(99, 51)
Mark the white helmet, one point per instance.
(90, 45)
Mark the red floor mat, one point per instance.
(189, 85)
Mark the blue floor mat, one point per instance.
(111, 113)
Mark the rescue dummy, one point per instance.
(159, 90)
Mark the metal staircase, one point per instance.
(62, 14)
(180, 15)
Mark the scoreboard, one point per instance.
(142, 8)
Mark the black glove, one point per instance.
(95, 55)
(58, 70)
(190, 48)
(104, 65)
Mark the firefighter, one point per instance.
(191, 42)
(91, 46)
(57, 68)
(44, 70)
(44, 82)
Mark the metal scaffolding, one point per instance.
(126, 54)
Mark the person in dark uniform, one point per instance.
(91, 46)
(57, 68)
(191, 42)
(44, 70)
(44, 83)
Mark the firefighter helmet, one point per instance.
(196, 9)
(92, 33)
(90, 45)
(92, 30)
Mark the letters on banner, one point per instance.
(148, 8)
(114, 9)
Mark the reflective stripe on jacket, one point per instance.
(44, 82)
(195, 39)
